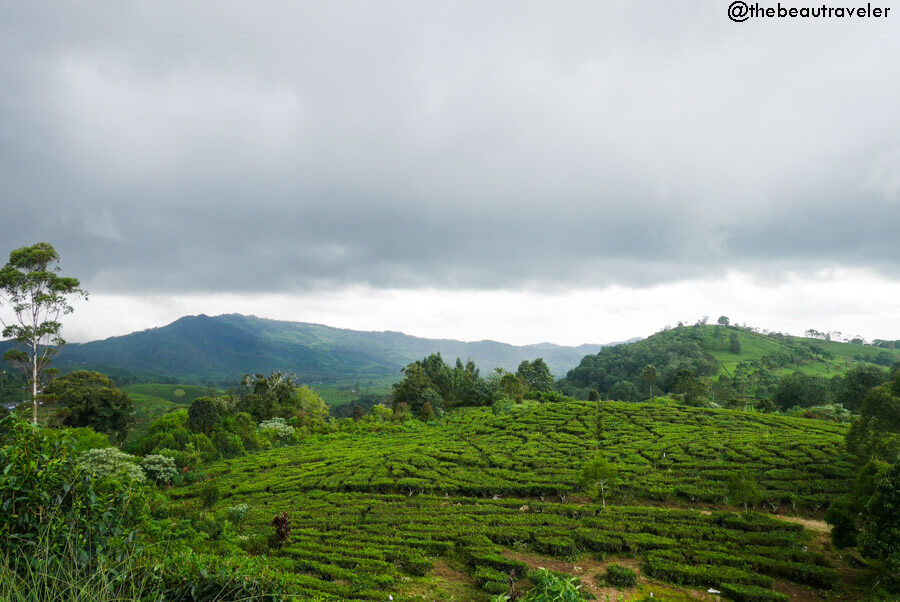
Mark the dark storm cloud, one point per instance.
(229, 146)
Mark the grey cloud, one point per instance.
(223, 146)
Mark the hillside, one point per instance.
(747, 361)
(221, 349)
(443, 508)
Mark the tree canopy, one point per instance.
(536, 374)
(38, 296)
(431, 380)
(91, 399)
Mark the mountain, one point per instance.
(223, 348)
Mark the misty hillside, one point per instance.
(223, 348)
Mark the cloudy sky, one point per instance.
(576, 171)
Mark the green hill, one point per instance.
(203, 349)
(749, 363)
(444, 508)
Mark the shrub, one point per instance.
(282, 524)
(502, 406)
(843, 525)
(51, 511)
(204, 446)
(229, 445)
(426, 413)
(159, 468)
(203, 415)
(620, 576)
(751, 593)
(110, 462)
(277, 429)
(236, 514)
(549, 586)
(82, 439)
(209, 494)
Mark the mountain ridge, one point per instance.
(224, 347)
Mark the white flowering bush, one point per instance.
(110, 462)
(160, 468)
(277, 429)
(237, 513)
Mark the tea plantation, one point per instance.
(376, 509)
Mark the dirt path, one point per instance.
(587, 568)
(811, 524)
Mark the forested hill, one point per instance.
(720, 362)
(223, 348)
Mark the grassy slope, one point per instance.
(371, 508)
(177, 394)
(152, 400)
(754, 346)
(688, 346)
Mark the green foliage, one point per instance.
(620, 576)
(751, 593)
(599, 477)
(50, 508)
(432, 380)
(692, 389)
(160, 469)
(876, 433)
(649, 374)
(857, 382)
(501, 406)
(734, 343)
(55, 576)
(880, 536)
(426, 413)
(237, 513)
(80, 439)
(739, 370)
(535, 374)
(743, 489)
(91, 399)
(210, 493)
(278, 429)
(203, 415)
(195, 577)
(181, 394)
(801, 390)
(843, 524)
(111, 462)
(609, 370)
(38, 296)
(553, 587)
(311, 412)
(265, 397)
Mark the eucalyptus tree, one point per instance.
(649, 374)
(31, 285)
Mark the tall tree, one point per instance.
(92, 399)
(31, 285)
(649, 374)
(536, 375)
(734, 343)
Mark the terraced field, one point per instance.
(373, 511)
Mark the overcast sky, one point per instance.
(523, 171)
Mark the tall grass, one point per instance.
(49, 577)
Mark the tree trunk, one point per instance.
(34, 377)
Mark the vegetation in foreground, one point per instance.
(365, 508)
